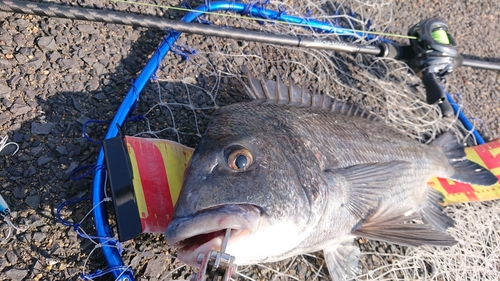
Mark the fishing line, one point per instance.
(11, 226)
(5, 213)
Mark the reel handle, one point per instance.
(435, 94)
(435, 56)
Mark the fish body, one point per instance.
(293, 172)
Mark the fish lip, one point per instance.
(241, 218)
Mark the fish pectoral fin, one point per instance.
(432, 212)
(362, 184)
(343, 261)
(393, 225)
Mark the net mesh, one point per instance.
(204, 73)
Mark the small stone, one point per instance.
(4, 118)
(31, 94)
(70, 169)
(39, 236)
(44, 160)
(76, 104)
(10, 149)
(155, 267)
(78, 86)
(32, 201)
(17, 137)
(92, 85)
(54, 56)
(47, 43)
(19, 39)
(3, 264)
(88, 60)
(62, 150)
(35, 63)
(6, 63)
(19, 109)
(99, 68)
(4, 91)
(11, 257)
(18, 193)
(15, 78)
(67, 63)
(26, 51)
(99, 96)
(24, 158)
(36, 151)
(87, 28)
(21, 58)
(61, 40)
(21, 23)
(6, 39)
(82, 119)
(29, 172)
(41, 128)
(16, 274)
(35, 221)
(38, 266)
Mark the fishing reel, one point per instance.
(434, 56)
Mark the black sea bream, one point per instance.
(293, 172)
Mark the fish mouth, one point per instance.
(204, 231)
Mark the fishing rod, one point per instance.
(87, 14)
(78, 13)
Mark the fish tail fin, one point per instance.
(464, 170)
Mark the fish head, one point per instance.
(240, 177)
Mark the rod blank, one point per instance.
(480, 64)
(59, 11)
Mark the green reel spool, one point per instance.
(441, 36)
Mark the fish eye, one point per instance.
(239, 159)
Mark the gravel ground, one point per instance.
(56, 74)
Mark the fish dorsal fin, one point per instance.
(278, 93)
(394, 225)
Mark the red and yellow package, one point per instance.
(158, 170)
(488, 156)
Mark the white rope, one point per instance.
(4, 144)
